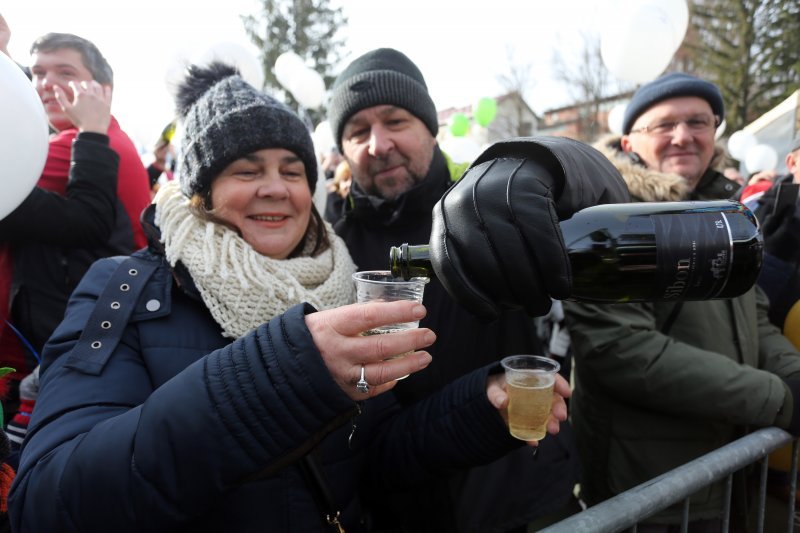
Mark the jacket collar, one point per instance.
(155, 247)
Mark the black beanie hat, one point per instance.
(225, 118)
(380, 77)
(668, 86)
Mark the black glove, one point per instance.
(496, 243)
(781, 232)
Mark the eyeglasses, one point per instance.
(699, 125)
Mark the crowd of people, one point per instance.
(189, 356)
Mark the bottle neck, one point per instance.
(410, 261)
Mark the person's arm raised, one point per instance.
(86, 213)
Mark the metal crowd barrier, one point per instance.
(626, 510)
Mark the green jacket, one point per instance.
(646, 402)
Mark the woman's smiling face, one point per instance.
(266, 196)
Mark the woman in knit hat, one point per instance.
(195, 386)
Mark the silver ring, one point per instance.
(362, 384)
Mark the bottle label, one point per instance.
(694, 261)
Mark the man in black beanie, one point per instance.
(703, 372)
(385, 124)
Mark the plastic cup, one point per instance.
(529, 383)
(381, 286)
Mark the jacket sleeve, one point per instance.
(85, 216)
(626, 355)
(108, 453)
(456, 428)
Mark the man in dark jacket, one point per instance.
(385, 124)
(659, 384)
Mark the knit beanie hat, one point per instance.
(668, 86)
(380, 77)
(225, 118)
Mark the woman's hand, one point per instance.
(337, 335)
(90, 108)
(496, 392)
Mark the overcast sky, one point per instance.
(460, 46)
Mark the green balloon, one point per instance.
(485, 111)
(459, 124)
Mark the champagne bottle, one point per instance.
(651, 251)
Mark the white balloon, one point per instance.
(677, 12)
(323, 138)
(23, 139)
(760, 157)
(460, 149)
(238, 56)
(288, 66)
(616, 117)
(740, 143)
(175, 72)
(308, 88)
(639, 45)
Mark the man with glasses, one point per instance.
(670, 125)
(660, 384)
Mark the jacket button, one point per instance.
(153, 305)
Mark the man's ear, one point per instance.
(792, 163)
(627, 148)
(625, 144)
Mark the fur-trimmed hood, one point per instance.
(646, 184)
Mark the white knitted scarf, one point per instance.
(242, 288)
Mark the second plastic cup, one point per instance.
(529, 383)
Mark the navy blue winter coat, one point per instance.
(181, 429)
